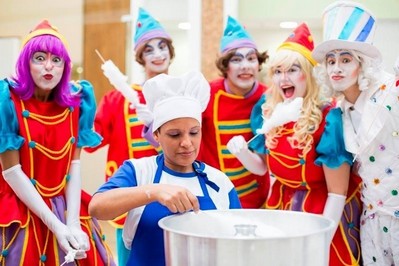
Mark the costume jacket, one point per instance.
(226, 116)
(46, 136)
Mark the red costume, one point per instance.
(300, 186)
(50, 133)
(228, 115)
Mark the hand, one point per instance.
(80, 236)
(175, 198)
(283, 113)
(73, 196)
(251, 161)
(26, 192)
(144, 114)
(72, 255)
(237, 145)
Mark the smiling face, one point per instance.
(343, 69)
(290, 81)
(242, 71)
(180, 141)
(46, 70)
(156, 56)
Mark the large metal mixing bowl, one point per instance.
(246, 237)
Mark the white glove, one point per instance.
(26, 192)
(73, 195)
(283, 113)
(119, 81)
(334, 209)
(250, 160)
(144, 114)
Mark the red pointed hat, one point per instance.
(301, 41)
(44, 28)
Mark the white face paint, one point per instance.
(291, 82)
(343, 69)
(46, 70)
(242, 69)
(156, 56)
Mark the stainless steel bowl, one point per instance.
(246, 237)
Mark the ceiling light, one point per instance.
(288, 24)
(184, 25)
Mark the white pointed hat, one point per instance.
(350, 26)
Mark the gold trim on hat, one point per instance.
(45, 32)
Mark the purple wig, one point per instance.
(25, 85)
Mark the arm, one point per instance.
(253, 162)
(122, 193)
(337, 186)
(115, 202)
(26, 192)
(73, 195)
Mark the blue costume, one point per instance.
(141, 232)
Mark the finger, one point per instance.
(73, 242)
(180, 206)
(80, 255)
(64, 244)
(193, 202)
(172, 207)
(83, 242)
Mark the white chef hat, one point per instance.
(170, 97)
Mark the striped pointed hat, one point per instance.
(347, 25)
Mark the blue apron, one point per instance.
(148, 243)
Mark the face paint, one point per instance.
(156, 56)
(343, 69)
(243, 68)
(291, 82)
(46, 70)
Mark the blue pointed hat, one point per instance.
(147, 28)
(235, 36)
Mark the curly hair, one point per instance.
(311, 114)
(24, 84)
(368, 76)
(222, 63)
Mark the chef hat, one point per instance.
(170, 97)
(147, 28)
(235, 36)
(301, 41)
(44, 28)
(347, 25)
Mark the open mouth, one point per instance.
(288, 91)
